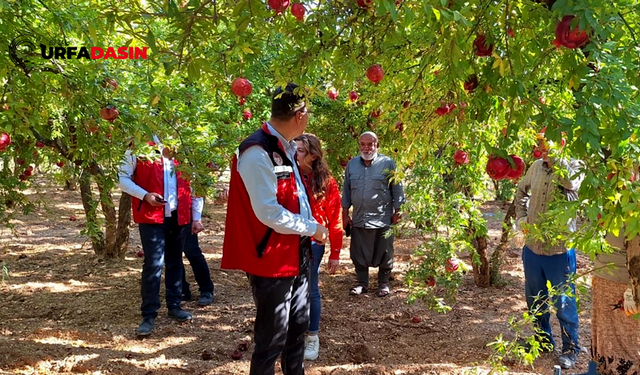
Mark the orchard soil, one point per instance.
(65, 311)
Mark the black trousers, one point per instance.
(282, 319)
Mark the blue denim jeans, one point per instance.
(538, 269)
(198, 264)
(162, 246)
(314, 289)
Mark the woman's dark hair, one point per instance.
(321, 174)
(285, 103)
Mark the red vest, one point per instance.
(149, 176)
(249, 245)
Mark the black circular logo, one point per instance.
(19, 48)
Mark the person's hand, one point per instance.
(346, 220)
(196, 227)
(332, 266)
(224, 193)
(396, 218)
(154, 199)
(321, 234)
(630, 307)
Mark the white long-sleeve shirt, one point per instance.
(256, 170)
(170, 184)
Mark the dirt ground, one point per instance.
(64, 311)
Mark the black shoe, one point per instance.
(568, 359)
(205, 299)
(146, 327)
(180, 315)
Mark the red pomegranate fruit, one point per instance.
(375, 73)
(279, 6)
(353, 96)
(298, 11)
(461, 157)
(332, 94)
(497, 167)
(241, 87)
(515, 173)
(569, 38)
(481, 47)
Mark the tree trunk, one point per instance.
(487, 273)
(89, 204)
(124, 219)
(111, 225)
(497, 258)
(113, 242)
(481, 272)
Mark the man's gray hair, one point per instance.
(369, 133)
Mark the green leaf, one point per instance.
(92, 33)
(238, 8)
(168, 67)
(193, 71)
(409, 15)
(437, 13)
(151, 41)
(559, 5)
(243, 22)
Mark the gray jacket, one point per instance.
(369, 190)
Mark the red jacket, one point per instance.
(328, 212)
(149, 176)
(249, 245)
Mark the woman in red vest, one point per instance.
(324, 197)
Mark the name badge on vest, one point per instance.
(283, 171)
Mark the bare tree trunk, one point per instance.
(89, 204)
(113, 242)
(481, 272)
(497, 258)
(111, 225)
(124, 219)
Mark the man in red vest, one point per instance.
(163, 208)
(268, 233)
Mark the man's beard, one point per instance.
(370, 156)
